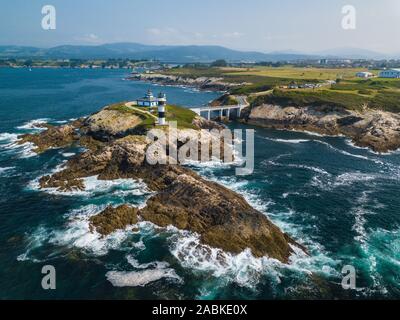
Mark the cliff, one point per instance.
(378, 130)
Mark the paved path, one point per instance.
(130, 105)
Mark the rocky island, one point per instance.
(116, 148)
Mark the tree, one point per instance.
(219, 63)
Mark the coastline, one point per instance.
(369, 128)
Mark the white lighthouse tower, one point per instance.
(162, 102)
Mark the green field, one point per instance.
(350, 92)
(183, 116)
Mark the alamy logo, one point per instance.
(172, 146)
(349, 20)
(49, 20)
(49, 280)
(349, 279)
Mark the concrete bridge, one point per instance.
(209, 112)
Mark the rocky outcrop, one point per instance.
(220, 216)
(203, 83)
(109, 124)
(205, 124)
(374, 129)
(53, 137)
(112, 219)
(183, 199)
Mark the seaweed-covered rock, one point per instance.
(112, 219)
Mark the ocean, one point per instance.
(340, 201)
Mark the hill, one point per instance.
(179, 54)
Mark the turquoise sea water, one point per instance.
(341, 202)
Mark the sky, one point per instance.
(262, 25)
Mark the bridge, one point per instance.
(210, 112)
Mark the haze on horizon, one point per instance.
(262, 25)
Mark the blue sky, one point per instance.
(263, 25)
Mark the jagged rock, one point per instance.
(222, 217)
(111, 219)
(374, 129)
(202, 123)
(53, 137)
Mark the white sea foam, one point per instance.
(349, 178)
(94, 186)
(294, 141)
(348, 153)
(243, 269)
(8, 137)
(378, 246)
(34, 125)
(36, 240)
(68, 154)
(299, 166)
(24, 150)
(143, 277)
(5, 171)
(79, 234)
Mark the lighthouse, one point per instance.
(162, 102)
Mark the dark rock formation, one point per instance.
(222, 217)
(112, 219)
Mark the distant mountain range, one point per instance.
(178, 54)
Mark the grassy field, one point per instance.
(290, 72)
(350, 92)
(182, 116)
(382, 100)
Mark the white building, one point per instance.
(364, 74)
(148, 100)
(160, 102)
(390, 73)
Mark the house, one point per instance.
(148, 100)
(364, 74)
(160, 102)
(390, 73)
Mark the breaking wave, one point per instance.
(146, 273)
(34, 125)
(94, 186)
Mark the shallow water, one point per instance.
(341, 202)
